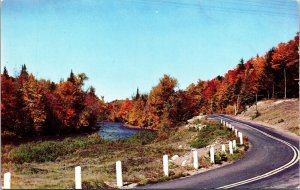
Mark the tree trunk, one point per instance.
(284, 73)
(256, 103)
(211, 104)
(273, 93)
(235, 112)
(237, 104)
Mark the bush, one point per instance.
(193, 129)
(171, 176)
(257, 114)
(205, 162)
(220, 157)
(93, 184)
(200, 142)
(280, 121)
(142, 138)
(209, 133)
(51, 150)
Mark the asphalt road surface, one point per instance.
(272, 161)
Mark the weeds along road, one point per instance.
(271, 161)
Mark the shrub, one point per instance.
(209, 133)
(142, 138)
(51, 150)
(257, 114)
(280, 121)
(220, 157)
(205, 162)
(171, 176)
(200, 142)
(193, 129)
(94, 184)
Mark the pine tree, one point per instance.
(24, 71)
(72, 77)
(5, 73)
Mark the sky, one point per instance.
(122, 45)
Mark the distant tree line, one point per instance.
(32, 107)
(272, 75)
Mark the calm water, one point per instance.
(115, 130)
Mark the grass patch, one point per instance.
(51, 150)
(161, 179)
(210, 133)
(50, 164)
(238, 153)
(142, 138)
(256, 114)
(93, 184)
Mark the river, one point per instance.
(115, 130)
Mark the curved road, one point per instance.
(272, 161)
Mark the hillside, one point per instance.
(279, 114)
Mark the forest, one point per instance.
(33, 107)
(272, 75)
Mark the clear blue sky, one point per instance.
(122, 45)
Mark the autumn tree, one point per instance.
(136, 116)
(159, 100)
(8, 103)
(125, 109)
(182, 106)
(90, 114)
(33, 99)
(286, 59)
(137, 95)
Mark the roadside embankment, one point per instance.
(281, 114)
(51, 163)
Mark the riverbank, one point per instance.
(137, 127)
(18, 141)
(50, 164)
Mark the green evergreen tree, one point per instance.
(72, 77)
(5, 73)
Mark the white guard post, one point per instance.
(195, 158)
(78, 177)
(119, 174)
(241, 138)
(234, 144)
(212, 154)
(223, 148)
(7, 180)
(166, 165)
(230, 147)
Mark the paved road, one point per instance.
(272, 160)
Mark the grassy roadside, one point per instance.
(216, 134)
(281, 114)
(50, 164)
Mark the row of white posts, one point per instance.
(232, 147)
(78, 184)
(236, 132)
